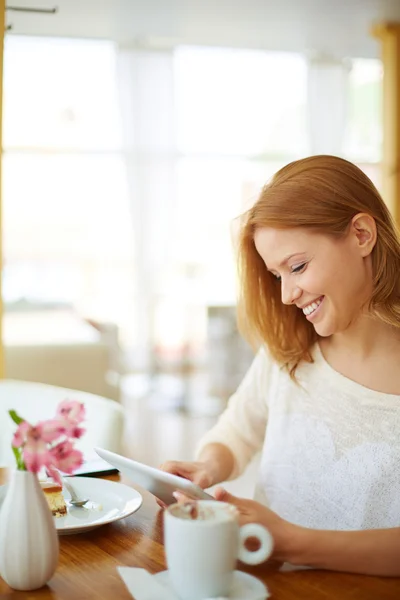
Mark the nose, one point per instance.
(290, 292)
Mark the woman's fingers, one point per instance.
(181, 498)
(160, 503)
(175, 468)
(193, 471)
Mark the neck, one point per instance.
(365, 337)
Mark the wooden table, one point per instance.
(87, 567)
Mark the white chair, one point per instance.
(37, 401)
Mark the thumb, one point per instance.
(222, 495)
(181, 498)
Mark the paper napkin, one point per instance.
(143, 586)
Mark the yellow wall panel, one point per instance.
(389, 36)
(2, 21)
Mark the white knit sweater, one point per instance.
(330, 447)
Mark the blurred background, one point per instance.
(134, 134)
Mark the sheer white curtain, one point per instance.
(146, 91)
(145, 82)
(328, 86)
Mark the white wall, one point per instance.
(336, 27)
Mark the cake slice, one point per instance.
(55, 499)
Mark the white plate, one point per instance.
(109, 501)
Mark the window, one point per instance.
(241, 115)
(67, 233)
(240, 102)
(237, 115)
(363, 139)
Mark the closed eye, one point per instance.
(300, 268)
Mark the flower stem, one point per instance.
(18, 457)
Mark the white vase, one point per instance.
(28, 537)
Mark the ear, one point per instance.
(363, 228)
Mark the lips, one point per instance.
(312, 306)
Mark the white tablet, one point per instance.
(157, 482)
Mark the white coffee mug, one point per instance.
(203, 541)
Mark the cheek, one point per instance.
(316, 281)
(353, 278)
(346, 287)
(344, 274)
(334, 282)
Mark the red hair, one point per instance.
(322, 193)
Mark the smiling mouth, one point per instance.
(311, 308)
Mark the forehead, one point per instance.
(276, 246)
(280, 241)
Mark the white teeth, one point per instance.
(307, 310)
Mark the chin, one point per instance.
(324, 330)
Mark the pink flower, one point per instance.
(71, 410)
(35, 450)
(71, 413)
(65, 457)
(21, 434)
(49, 444)
(74, 431)
(52, 429)
(54, 474)
(47, 431)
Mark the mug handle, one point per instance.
(263, 536)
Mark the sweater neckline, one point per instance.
(346, 383)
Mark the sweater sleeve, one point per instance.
(241, 427)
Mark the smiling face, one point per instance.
(329, 279)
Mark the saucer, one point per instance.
(244, 587)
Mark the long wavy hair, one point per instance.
(322, 193)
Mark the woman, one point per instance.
(320, 278)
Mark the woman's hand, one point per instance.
(368, 551)
(250, 511)
(198, 472)
(253, 512)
